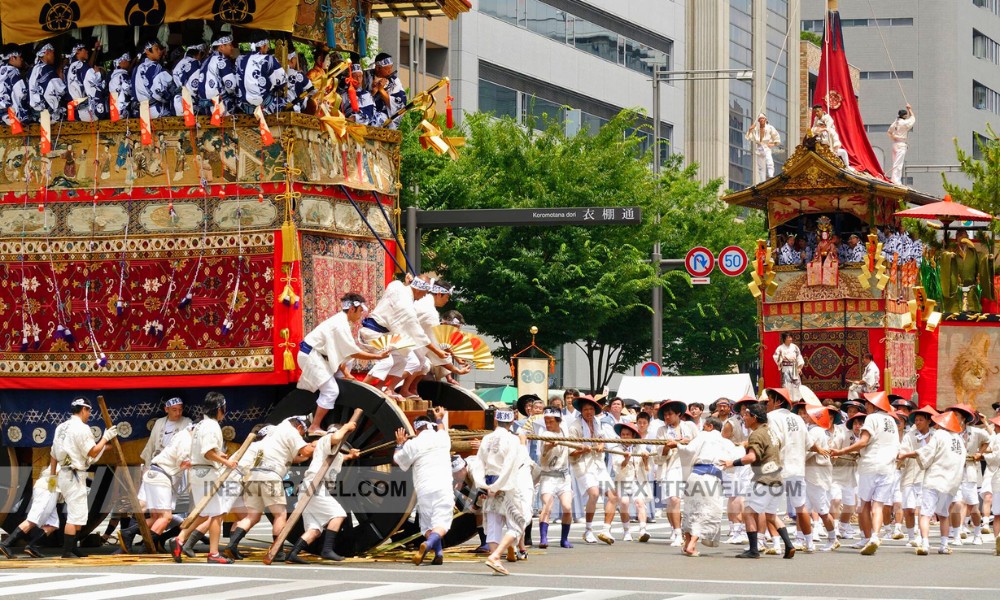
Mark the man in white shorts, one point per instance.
(819, 468)
(324, 513)
(42, 518)
(670, 475)
(264, 487)
(911, 478)
(942, 458)
(736, 481)
(555, 482)
(590, 469)
(976, 442)
(993, 468)
(429, 454)
(766, 495)
(790, 431)
(878, 447)
(74, 449)
(208, 459)
(844, 493)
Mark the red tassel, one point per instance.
(352, 95)
(15, 124)
(216, 112)
(71, 110)
(343, 157)
(113, 106)
(360, 170)
(449, 115)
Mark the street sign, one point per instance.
(505, 217)
(699, 262)
(733, 261)
(700, 280)
(650, 369)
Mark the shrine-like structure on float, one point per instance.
(927, 312)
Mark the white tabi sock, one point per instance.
(809, 539)
(831, 534)
(909, 533)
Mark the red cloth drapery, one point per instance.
(836, 93)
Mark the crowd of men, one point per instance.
(794, 249)
(878, 458)
(197, 78)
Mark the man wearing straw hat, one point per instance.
(821, 421)
(878, 446)
(790, 431)
(976, 441)
(632, 479)
(911, 477)
(555, 482)
(670, 474)
(590, 469)
(943, 461)
(507, 472)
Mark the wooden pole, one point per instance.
(125, 479)
(304, 497)
(193, 516)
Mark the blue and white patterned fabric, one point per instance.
(261, 78)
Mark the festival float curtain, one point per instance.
(835, 91)
(25, 22)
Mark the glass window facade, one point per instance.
(740, 94)
(816, 25)
(525, 107)
(984, 98)
(985, 47)
(886, 75)
(565, 28)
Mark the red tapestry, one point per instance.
(900, 358)
(227, 327)
(332, 267)
(833, 358)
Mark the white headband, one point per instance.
(356, 67)
(173, 402)
(222, 41)
(260, 43)
(349, 304)
(385, 62)
(437, 289)
(504, 416)
(198, 47)
(46, 48)
(79, 47)
(122, 57)
(457, 463)
(150, 45)
(456, 321)
(424, 425)
(292, 55)
(420, 284)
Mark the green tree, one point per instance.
(589, 286)
(984, 174)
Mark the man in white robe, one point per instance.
(789, 359)
(869, 379)
(898, 131)
(763, 137)
(507, 479)
(323, 352)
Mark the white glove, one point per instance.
(110, 433)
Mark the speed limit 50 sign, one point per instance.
(732, 261)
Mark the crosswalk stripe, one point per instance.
(593, 595)
(19, 577)
(72, 582)
(277, 589)
(193, 583)
(372, 592)
(481, 593)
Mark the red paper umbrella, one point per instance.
(945, 211)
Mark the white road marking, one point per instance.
(482, 593)
(277, 589)
(193, 583)
(372, 592)
(593, 595)
(69, 583)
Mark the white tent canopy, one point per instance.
(688, 388)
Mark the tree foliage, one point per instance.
(984, 174)
(589, 286)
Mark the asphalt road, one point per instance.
(586, 572)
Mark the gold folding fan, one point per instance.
(396, 341)
(443, 334)
(480, 351)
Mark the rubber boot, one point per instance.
(293, 554)
(33, 549)
(280, 556)
(527, 536)
(69, 547)
(127, 537)
(188, 547)
(543, 529)
(232, 550)
(6, 548)
(329, 538)
(564, 537)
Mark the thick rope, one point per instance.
(887, 54)
(761, 108)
